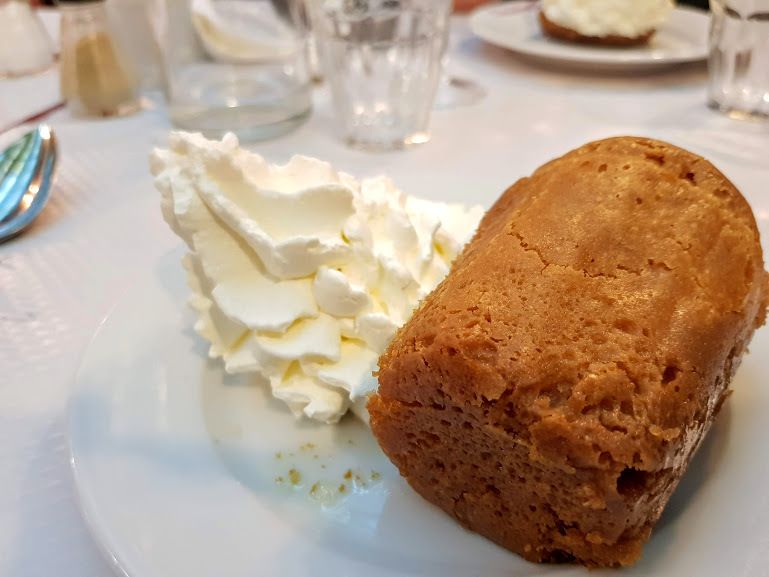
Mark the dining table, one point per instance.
(103, 231)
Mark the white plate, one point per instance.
(683, 38)
(175, 465)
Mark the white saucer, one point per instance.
(178, 473)
(683, 38)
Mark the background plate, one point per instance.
(683, 38)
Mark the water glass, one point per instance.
(739, 58)
(383, 60)
(234, 65)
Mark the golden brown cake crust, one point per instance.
(551, 391)
(567, 34)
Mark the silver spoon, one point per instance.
(26, 173)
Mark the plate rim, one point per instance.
(88, 512)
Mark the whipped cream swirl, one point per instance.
(299, 272)
(627, 18)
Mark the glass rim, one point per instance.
(426, 7)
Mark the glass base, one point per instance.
(738, 113)
(9, 74)
(387, 145)
(248, 123)
(454, 92)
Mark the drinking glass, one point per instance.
(383, 60)
(739, 58)
(234, 65)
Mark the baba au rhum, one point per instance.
(551, 391)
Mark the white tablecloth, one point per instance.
(102, 230)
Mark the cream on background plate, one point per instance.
(183, 471)
(683, 38)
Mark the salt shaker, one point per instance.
(25, 47)
(96, 79)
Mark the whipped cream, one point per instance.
(628, 18)
(299, 272)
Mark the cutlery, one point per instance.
(26, 172)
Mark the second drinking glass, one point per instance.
(739, 58)
(234, 65)
(382, 59)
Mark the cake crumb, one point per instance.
(348, 474)
(375, 475)
(342, 488)
(595, 538)
(314, 488)
(295, 476)
(307, 447)
(279, 480)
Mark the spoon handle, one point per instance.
(17, 169)
(36, 196)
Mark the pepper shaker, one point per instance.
(96, 79)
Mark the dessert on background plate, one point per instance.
(604, 22)
(552, 391)
(298, 272)
(515, 26)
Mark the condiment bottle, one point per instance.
(95, 78)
